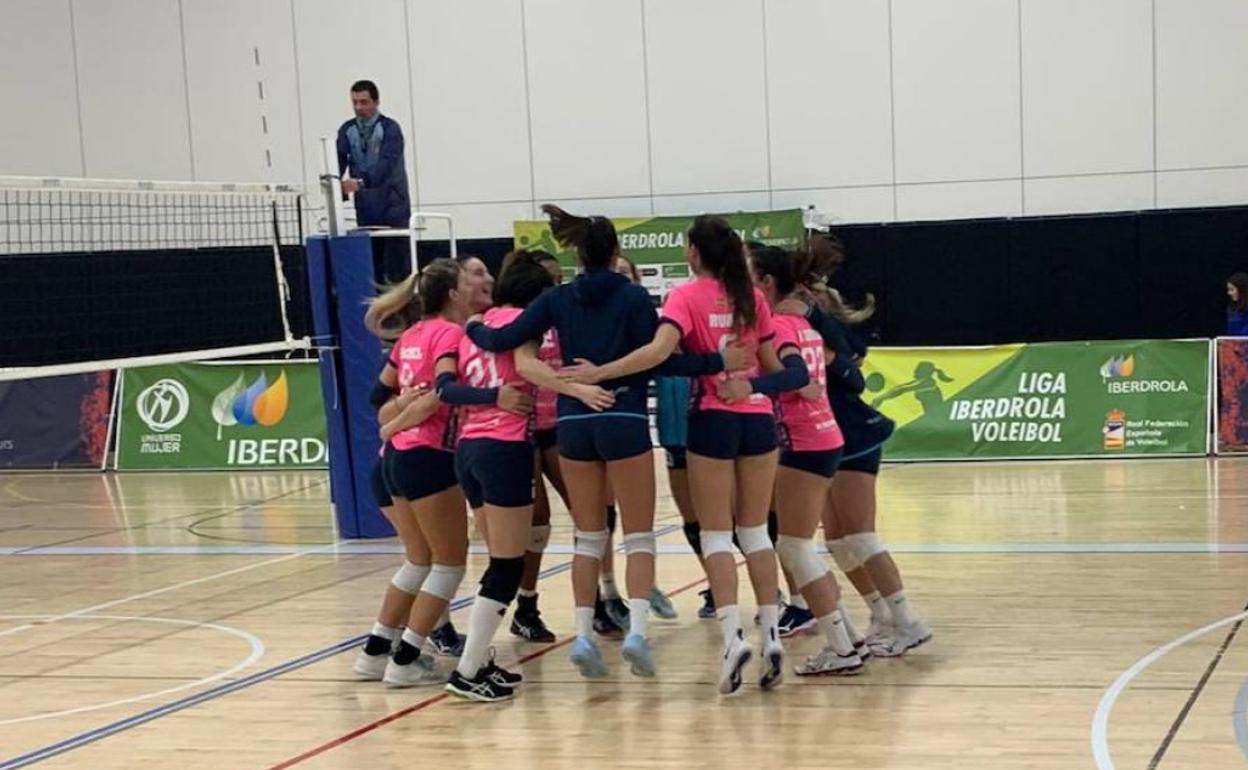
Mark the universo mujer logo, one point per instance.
(262, 405)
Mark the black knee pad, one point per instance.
(611, 516)
(773, 526)
(693, 533)
(502, 579)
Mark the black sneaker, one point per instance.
(617, 610)
(707, 610)
(604, 626)
(795, 620)
(447, 641)
(531, 628)
(481, 688)
(499, 675)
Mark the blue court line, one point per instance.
(1239, 717)
(121, 725)
(371, 549)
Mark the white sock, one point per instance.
(413, 638)
(833, 627)
(901, 609)
(729, 622)
(768, 620)
(526, 593)
(854, 636)
(799, 601)
(585, 622)
(385, 632)
(638, 616)
(879, 608)
(446, 617)
(609, 591)
(483, 621)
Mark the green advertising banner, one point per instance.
(222, 416)
(1059, 399)
(657, 244)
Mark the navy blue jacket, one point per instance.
(1237, 323)
(864, 428)
(600, 316)
(383, 199)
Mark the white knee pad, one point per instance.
(639, 542)
(443, 581)
(865, 545)
(539, 536)
(410, 577)
(798, 556)
(591, 544)
(843, 555)
(753, 539)
(716, 541)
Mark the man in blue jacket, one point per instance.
(370, 148)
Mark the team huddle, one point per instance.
(494, 388)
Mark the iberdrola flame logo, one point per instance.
(1118, 367)
(257, 404)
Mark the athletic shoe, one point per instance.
(480, 688)
(370, 668)
(588, 658)
(879, 631)
(773, 664)
(636, 651)
(445, 640)
(604, 626)
(904, 639)
(617, 610)
(707, 610)
(830, 663)
(500, 675)
(863, 650)
(795, 620)
(736, 655)
(419, 673)
(531, 628)
(661, 606)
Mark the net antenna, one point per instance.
(102, 225)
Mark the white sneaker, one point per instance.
(736, 655)
(421, 672)
(370, 668)
(773, 665)
(879, 631)
(904, 639)
(830, 663)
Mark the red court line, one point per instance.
(371, 726)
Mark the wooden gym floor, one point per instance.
(1085, 615)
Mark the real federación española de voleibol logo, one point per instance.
(1118, 374)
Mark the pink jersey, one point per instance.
(545, 411)
(415, 356)
(482, 369)
(702, 312)
(809, 425)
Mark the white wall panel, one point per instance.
(959, 200)
(855, 204)
(1085, 194)
(1215, 187)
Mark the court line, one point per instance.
(99, 733)
(1100, 721)
(1239, 716)
(256, 652)
(353, 548)
(433, 700)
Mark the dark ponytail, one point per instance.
(723, 256)
(782, 266)
(594, 237)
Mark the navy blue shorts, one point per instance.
(419, 472)
(495, 472)
(545, 439)
(728, 435)
(822, 463)
(377, 481)
(677, 458)
(604, 437)
(864, 462)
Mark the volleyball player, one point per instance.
(494, 463)
(731, 444)
(600, 316)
